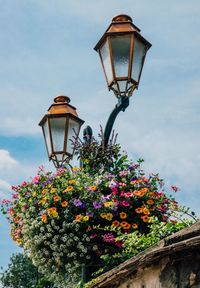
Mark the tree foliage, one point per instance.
(21, 273)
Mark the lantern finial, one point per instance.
(122, 18)
(62, 99)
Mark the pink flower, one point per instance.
(36, 179)
(119, 244)
(114, 190)
(93, 235)
(123, 173)
(109, 237)
(24, 184)
(125, 203)
(122, 184)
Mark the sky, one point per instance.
(46, 49)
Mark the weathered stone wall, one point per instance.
(183, 272)
(173, 263)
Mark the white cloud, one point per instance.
(6, 161)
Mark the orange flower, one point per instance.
(138, 210)
(115, 223)
(136, 192)
(52, 210)
(64, 203)
(78, 218)
(144, 190)
(123, 215)
(69, 188)
(93, 187)
(150, 202)
(56, 198)
(145, 218)
(44, 218)
(135, 226)
(125, 225)
(146, 211)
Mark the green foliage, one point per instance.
(22, 274)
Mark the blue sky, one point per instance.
(47, 49)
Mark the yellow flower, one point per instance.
(43, 201)
(30, 200)
(64, 203)
(86, 218)
(44, 191)
(150, 202)
(56, 198)
(53, 190)
(108, 216)
(103, 215)
(108, 204)
(123, 215)
(33, 194)
(69, 188)
(72, 181)
(55, 214)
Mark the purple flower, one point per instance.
(90, 214)
(105, 198)
(97, 205)
(133, 166)
(77, 202)
(28, 194)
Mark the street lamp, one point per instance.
(122, 51)
(60, 126)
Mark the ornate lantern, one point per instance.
(122, 51)
(60, 127)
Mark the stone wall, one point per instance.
(173, 263)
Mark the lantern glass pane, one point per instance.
(58, 127)
(105, 56)
(47, 137)
(138, 58)
(121, 55)
(73, 131)
(122, 86)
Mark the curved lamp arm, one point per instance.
(122, 104)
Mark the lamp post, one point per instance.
(122, 50)
(60, 126)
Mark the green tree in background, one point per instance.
(21, 273)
